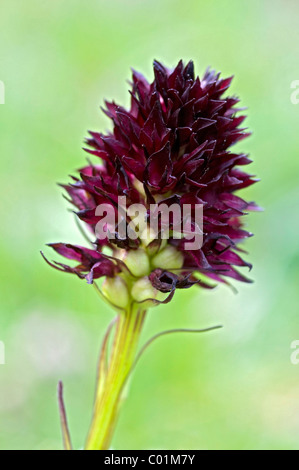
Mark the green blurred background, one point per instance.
(230, 389)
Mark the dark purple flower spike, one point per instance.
(171, 148)
(172, 144)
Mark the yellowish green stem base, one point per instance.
(113, 378)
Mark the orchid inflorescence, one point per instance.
(171, 148)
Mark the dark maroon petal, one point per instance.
(77, 253)
(165, 281)
(159, 166)
(92, 264)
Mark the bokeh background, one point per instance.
(231, 389)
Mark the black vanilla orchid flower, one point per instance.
(172, 147)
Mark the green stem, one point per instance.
(108, 397)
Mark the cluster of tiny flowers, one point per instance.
(171, 146)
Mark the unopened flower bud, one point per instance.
(151, 242)
(148, 235)
(169, 258)
(116, 291)
(137, 262)
(143, 290)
